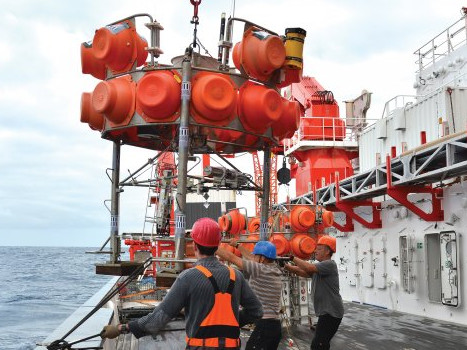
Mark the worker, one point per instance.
(265, 280)
(211, 294)
(325, 290)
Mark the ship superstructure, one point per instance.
(400, 219)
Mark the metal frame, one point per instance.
(411, 172)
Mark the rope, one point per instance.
(62, 344)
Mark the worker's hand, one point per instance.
(110, 332)
(233, 242)
(282, 260)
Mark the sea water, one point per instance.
(40, 287)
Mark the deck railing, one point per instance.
(330, 131)
(442, 44)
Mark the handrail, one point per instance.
(442, 44)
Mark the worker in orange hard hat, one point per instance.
(211, 294)
(325, 290)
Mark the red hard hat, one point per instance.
(329, 241)
(206, 232)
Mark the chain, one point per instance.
(195, 19)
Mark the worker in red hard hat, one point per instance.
(325, 290)
(211, 294)
(266, 282)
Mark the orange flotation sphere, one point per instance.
(251, 246)
(223, 135)
(141, 52)
(281, 243)
(259, 53)
(214, 98)
(302, 246)
(284, 219)
(233, 222)
(89, 115)
(115, 45)
(327, 218)
(254, 224)
(258, 107)
(289, 120)
(302, 217)
(158, 96)
(90, 64)
(115, 99)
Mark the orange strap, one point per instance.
(208, 273)
(213, 342)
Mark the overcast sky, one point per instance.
(53, 182)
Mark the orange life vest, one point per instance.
(220, 328)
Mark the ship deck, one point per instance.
(363, 327)
(366, 327)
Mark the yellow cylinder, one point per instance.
(294, 40)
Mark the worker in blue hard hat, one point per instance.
(265, 281)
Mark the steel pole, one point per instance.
(263, 230)
(114, 207)
(183, 148)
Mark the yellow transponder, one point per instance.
(294, 40)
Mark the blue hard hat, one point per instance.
(266, 249)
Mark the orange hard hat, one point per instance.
(329, 241)
(206, 232)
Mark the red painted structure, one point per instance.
(319, 166)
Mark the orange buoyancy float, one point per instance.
(232, 222)
(288, 122)
(118, 46)
(302, 246)
(141, 52)
(302, 218)
(115, 99)
(214, 98)
(258, 107)
(281, 243)
(158, 96)
(251, 246)
(327, 218)
(259, 53)
(254, 224)
(223, 136)
(90, 64)
(89, 115)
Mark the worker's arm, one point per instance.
(170, 307)
(246, 254)
(305, 266)
(296, 270)
(229, 257)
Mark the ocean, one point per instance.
(40, 287)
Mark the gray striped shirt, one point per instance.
(265, 280)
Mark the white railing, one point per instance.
(328, 130)
(442, 44)
(398, 101)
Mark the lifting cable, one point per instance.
(195, 20)
(60, 344)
